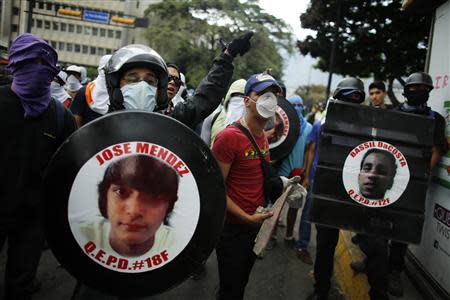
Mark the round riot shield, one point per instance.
(282, 130)
(134, 203)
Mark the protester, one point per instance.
(291, 166)
(233, 109)
(33, 127)
(416, 91)
(57, 89)
(377, 94)
(92, 101)
(386, 260)
(137, 78)
(241, 169)
(348, 90)
(73, 83)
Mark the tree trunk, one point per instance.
(390, 92)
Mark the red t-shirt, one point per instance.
(245, 181)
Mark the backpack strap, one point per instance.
(252, 140)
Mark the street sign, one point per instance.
(95, 16)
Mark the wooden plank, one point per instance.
(265, 232)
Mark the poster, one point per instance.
(375, 174)
(133, 207)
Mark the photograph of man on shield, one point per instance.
(376, 175)
(136, 196)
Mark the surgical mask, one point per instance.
(73, 84)
(418, 97)
(139, 95)
(266, 106)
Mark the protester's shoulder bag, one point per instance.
(273, 186)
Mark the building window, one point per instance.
(94, 31)
(15, 11)
(63, 27)
(79, 29)
(118, 34)
(85, 49)
(49, 6)
(39, 23)
(14, 28)
(61, 46)
(92, 50)
(55, 26)
(77, 48)
(87, 30)
(53, 43)
(102, 32)
(101, 51)
(108, 51)
(69, 47)
(47, 25)
(71, 28)
(41, 5)
(110, 33)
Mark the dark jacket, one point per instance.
(208, 95)
(27, 146)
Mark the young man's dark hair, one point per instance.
(143, 173)
(389, 155)
(377, 85)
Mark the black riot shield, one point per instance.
(282, 130)
(134, 203)
(372, 171)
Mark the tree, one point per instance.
(374, 38)
(312, 94)
(188, 33)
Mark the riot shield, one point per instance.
(134, 203)
(372, 172)
(282, 130)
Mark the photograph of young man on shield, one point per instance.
(376, 175)
(135, 197)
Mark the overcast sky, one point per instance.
(298, 69)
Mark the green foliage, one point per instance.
(375, 38)
(312, 94)
(188, 32)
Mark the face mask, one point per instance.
(299, 110)
(72, 84)
(266, 106)
(235, 110)
(139, 95)
(418, 97)
(31, 83)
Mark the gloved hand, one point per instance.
(287, 182)
(240, 45)
(296, 195)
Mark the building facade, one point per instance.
(81, 31)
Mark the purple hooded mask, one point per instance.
(31, 80)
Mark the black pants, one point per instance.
(327, 239)
(25, 242)
(397, 254)
(235, 258)
(376, 250)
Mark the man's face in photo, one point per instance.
(134, 216)
(377, 96)
(376, 175)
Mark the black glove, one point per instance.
(240, 45)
